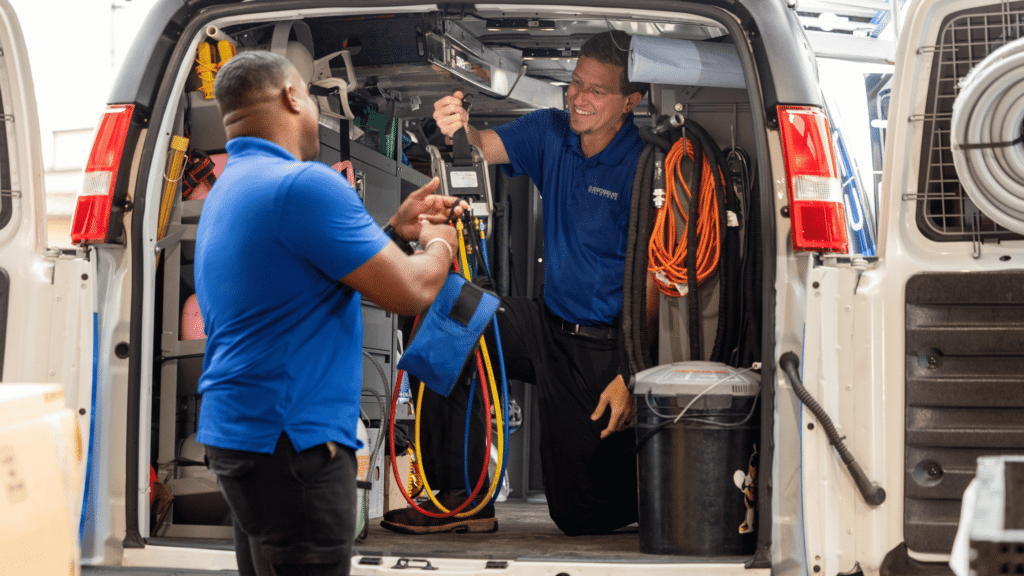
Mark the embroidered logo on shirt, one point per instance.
(603, 193)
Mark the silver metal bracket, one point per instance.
(976, 235)
(170, 240)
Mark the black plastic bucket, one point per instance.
(696, 497)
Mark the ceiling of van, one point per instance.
(515, 62)
(519, 61)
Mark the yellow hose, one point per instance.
(494, 401)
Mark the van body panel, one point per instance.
(29, 292)
(105, 518)
(937, 333)
(841, 367)
(828, 494)
(48, 296)
(785, 59)
(21, 222)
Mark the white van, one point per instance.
(905, 333)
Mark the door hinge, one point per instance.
(66, 253)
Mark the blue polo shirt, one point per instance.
(284, 336)
(586, 210)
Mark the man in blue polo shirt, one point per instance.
(284, 250)
(583, 161)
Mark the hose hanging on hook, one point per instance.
(657, 245)
(669, 252)
(634, 294)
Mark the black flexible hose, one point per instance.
(635, 352)
(740, 186)
(706, 149)
(730, 267)
(692, 241)
(628, 320)
(753, 269)
(645, 224)
(872, 493)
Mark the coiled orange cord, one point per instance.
(667, 253)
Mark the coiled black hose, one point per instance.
(641, 187)
(744, 177)
(636, 354)
(728, 262)
(658, 141)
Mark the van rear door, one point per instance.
(47, 305)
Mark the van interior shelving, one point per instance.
(511, 63)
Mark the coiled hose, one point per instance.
(986, 135)
(657, 140)
(667, 251)
(654, 244)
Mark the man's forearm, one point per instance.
(473, 135)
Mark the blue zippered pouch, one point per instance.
(443, 342)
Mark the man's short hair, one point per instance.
(612, 47)
(247, 77)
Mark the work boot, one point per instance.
(410, 521)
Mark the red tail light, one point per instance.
(91, 222)
(815, 188)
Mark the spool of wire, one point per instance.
(986, 135)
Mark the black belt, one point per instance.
(599, 332)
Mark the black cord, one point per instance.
(872, 493)
(695, 419)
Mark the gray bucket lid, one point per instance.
(697, 377)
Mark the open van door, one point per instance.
(47, 299)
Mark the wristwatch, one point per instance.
(402, 242)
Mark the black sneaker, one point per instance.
(410, 521)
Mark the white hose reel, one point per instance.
(986, 135)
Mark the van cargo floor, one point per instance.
(525, 532)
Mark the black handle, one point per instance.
(462, 153)
(872, 493)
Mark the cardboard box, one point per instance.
(40, 451)
(393, 498)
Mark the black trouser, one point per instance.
(590, 484)
(293, 512)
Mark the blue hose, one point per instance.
(504, 393)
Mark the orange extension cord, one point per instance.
(667, 249)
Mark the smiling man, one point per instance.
(583, 161)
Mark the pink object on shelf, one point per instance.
(202, 189)
(348, 170)
(192, 327)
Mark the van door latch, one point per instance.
(404, 563)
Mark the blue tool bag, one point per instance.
(443, 342)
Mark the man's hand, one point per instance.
(424, 202)
(618, 397)
(450, 115)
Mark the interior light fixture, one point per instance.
(520, 25)
(549, 53)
